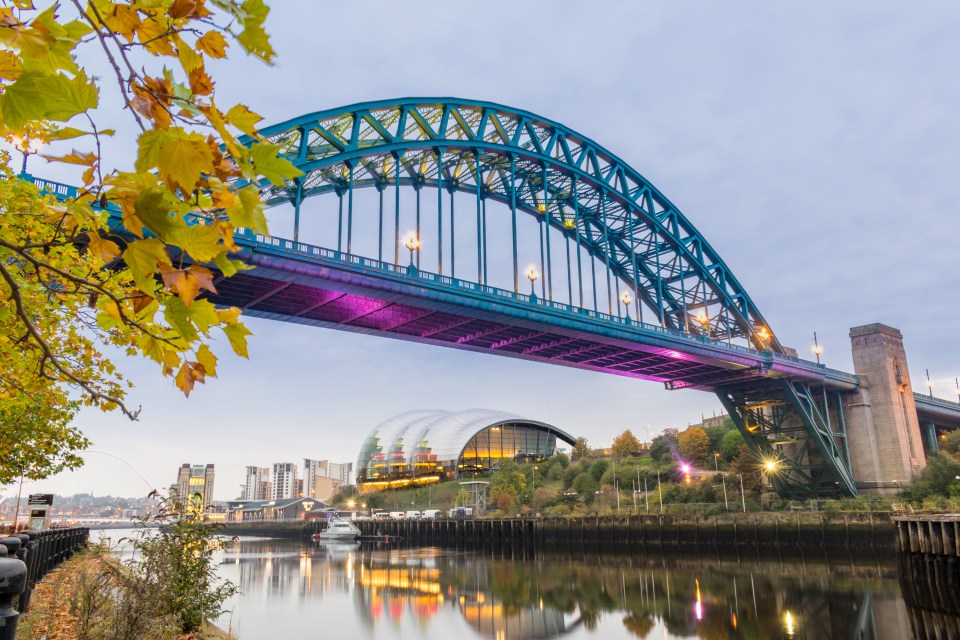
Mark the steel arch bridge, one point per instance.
(693, 324)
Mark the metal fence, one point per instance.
(25, 558)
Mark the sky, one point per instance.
(815, 146)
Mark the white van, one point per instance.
(413, 515)
(381, 515)
(432, 514)
(398, 515)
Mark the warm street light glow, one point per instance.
(411, 241)
(627, 299)
(788, 623)
(770, 465)
(27, 146)
(685, 468)
(569, 223)
(702, 319)
(532, 273)
(763, 333)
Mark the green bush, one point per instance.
(598, 468)
(173, 564)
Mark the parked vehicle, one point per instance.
(398, 515)
(381, 515)
(413, 515)
(460, 512)
(432, 514)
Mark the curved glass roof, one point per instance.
(444, 433)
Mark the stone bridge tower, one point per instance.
(886, 447)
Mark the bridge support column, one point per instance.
(883, 432)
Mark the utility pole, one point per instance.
(660, 488)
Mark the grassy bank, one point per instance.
(92, 596)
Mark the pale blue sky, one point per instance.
(814, 144)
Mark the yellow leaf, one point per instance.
(74, 157)
(189, 59)
(213, 44)
(182, 159)
(246, 210)
(155, 37)
(207, 360)
(144, 258)
(253, 38)
(242, 118)
(124, 20)
(9, 65)
(228, 315)
(104, 249)
(200, 241)
(237, 335)
(204, 315)
(184, 380)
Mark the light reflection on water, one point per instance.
(313, 590)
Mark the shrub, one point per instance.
(173, 564)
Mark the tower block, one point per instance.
(886, 448)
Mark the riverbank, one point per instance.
(90, 596)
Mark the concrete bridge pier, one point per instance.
(883, 431)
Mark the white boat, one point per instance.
(338, 529)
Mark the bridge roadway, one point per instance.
(305, 284)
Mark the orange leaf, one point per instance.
(200, 82)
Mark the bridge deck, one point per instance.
(301, 283)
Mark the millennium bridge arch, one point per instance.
(672, 311)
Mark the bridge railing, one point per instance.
(946, 404)
(371, 263)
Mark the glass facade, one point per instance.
(426, 446)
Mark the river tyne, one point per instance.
(300, 589)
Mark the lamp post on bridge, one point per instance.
(627, 299)
(532, 275)
(929, 383)
(412, 242)
(817, 349)
(26, 146)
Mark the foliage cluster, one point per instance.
(940, 477)
(72, 285)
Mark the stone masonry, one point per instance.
(886, 448)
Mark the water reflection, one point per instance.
(291, 588)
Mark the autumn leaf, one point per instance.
(75, 157)
(10, 67)
(144, 258)
(106, 250)
(242, 118)
(213, 44)
(270, 165)
(237, 335)
(200, 82)
(181, 159)
(254, 38)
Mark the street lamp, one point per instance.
(412, 242)
(929, 383)
(817, 349)
(627, 299)
(703, 320)
(27, 146)
(764, 334)
(532, 275)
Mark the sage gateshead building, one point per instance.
(420, 447)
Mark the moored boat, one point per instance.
(338, 529)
